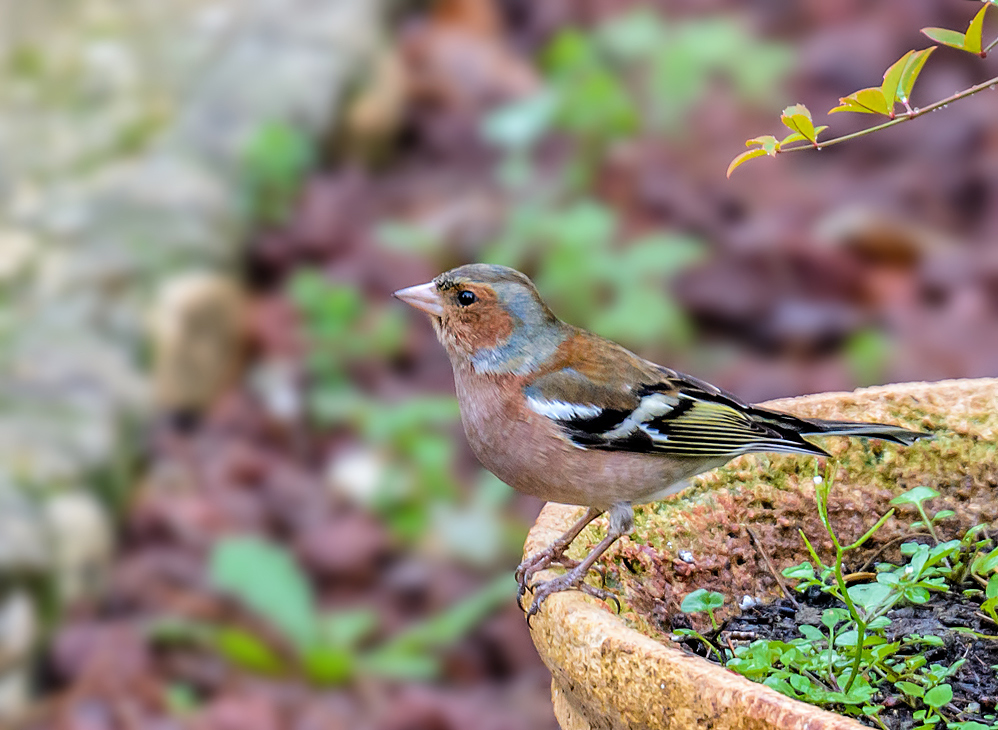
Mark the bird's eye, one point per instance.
(465, 298)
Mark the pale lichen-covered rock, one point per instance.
(122, 133)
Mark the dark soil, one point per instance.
(975, 683)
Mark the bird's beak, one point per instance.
(423, 297)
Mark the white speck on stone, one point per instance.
(748, 602)
(686, 556)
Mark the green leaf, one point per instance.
(701, 600)
(522, 123)
(811, 633)
(911, 72)
(743, 158)
(915, 496)
(797, 137)
(951, 38)
(768, 143)
(347, 628)
(892, 79)
(832, 617)
(939, 696)
(450, 625)
(992, 590)
(869, 595)
(972, 40)
(804, 571)
(401, 666)
(247, 651)
(865, 101)
(797, 118)
(879, 623)
(985, 563)
(943, 514)
(267, 580)
(328, 665)
(910, 688)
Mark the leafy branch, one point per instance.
(899, 81)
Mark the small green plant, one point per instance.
(701, 600)
(325, 648)
(898, 82)
(917, 498)
(848, 663)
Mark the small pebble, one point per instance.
(748, 602)
(686, 556)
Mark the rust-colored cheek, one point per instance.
(482, 329)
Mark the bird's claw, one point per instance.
(565, 582)
(533, 565)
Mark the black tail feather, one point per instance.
(864, 430)
(819, 427)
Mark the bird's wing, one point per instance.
(620, 402)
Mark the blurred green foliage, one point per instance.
(635, 74)
(325, 648)
(867, 354)
(417, 485)
(273, 164)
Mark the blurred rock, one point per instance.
(199, 331)
(122, 138)
(18, 637)
(373, 118)
(878, 238)
(23, 544)
(82, 544)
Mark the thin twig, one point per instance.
(771, 567)
(899, 119)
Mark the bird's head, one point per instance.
(489, 316)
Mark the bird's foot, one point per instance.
(574, 579)
(537, 562)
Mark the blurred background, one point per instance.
(207, 207)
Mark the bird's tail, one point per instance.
(864, 430)
(820, 427)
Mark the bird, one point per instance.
(568, 416)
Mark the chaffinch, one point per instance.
(566, 415)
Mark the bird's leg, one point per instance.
(553, 553)
(621, 523)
